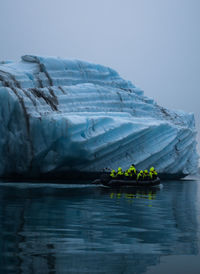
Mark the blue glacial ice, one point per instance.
(57, 115)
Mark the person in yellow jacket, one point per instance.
(140, 175)
(150, 175)
(152, 169)
(113, 174)
(153, 174)
(120, 173)
(132, 167)
(130, 172)
(127, 174)
(133, 171)
(145, 175)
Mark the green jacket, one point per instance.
(113, 174)
(120, 173)
(140, 175)
(126, 174)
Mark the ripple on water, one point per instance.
(47, 226)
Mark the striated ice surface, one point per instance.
(57, 115)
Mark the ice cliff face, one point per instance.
(57, 115)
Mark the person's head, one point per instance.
(152, 169)
(119, 168)
(146, 171)
(141, 171)
(113, 170)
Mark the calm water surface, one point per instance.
(49, 228)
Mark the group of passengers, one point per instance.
(133, 174)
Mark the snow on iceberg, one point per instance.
(59, 115)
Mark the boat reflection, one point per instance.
(91, 229)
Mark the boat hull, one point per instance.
(131, 183)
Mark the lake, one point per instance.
(56, 228)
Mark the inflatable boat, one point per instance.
(127, 183)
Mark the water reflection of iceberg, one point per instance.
(63, 230)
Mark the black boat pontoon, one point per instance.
(127, 183)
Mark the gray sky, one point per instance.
(153, 43)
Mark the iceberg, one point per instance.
(61, 116)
